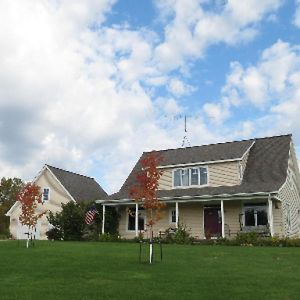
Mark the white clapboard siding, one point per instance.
(289, 194)
(243, 164)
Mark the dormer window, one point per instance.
(46, 194)
(190, 177)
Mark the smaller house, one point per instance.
(219, 190)
(58, 186)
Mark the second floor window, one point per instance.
(46, 194)
(190, 177)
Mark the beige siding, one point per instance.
(232, 213)
(277, 219)
(191, 215)
(165, 181)
(226, 173)
(289, 194)
(57, 197)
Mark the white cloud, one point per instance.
(77, 94)
(192, 29)
(216, 112)
(296, 19)
(271, 86)
(266, 82)
(179, 88)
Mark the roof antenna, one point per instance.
(185, 141)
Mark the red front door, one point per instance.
(212, 222)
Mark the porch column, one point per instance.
(136, 219)
(270, 215)
(223, 219)
(177, 213)
(103, 219)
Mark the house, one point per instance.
(58, 186)
(222, 189)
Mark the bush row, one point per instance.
(182, 236)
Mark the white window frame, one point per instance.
(44, 188)
(141, 213)
(255, 208)
(189, 170)
(288, 218)
(170, 216)
(298, 212)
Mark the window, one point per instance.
(194, 176)
(299, 219)
(288, 218)
(190, 177)
(203, 176)
(185, 177)
(131, 221)
(172, 216)
(255, 215)
(46, 194)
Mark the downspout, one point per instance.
(270, 214)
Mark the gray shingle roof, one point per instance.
(266, 168)
(205, 153)
(81, 188)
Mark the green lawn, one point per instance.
(73, 270)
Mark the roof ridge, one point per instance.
(70, 172)
(221, 143)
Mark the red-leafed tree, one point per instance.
(29, 197)
(144, 191)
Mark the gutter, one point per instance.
(195, 198)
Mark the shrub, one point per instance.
(54, 234)
(180, 235)
(108, 237)
(69, 224)
(249, 238)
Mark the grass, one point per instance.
(74, 270)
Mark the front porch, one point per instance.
(205, 219)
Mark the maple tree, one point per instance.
(145, 191)
(29, 197)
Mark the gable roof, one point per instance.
(266, 168)
(81, 188)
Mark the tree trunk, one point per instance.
(151, 245)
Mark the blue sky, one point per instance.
(89, 85)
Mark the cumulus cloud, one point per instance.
(193, 28)
(179, 88)
(79, 94)
(271, 86)
(296, 19)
